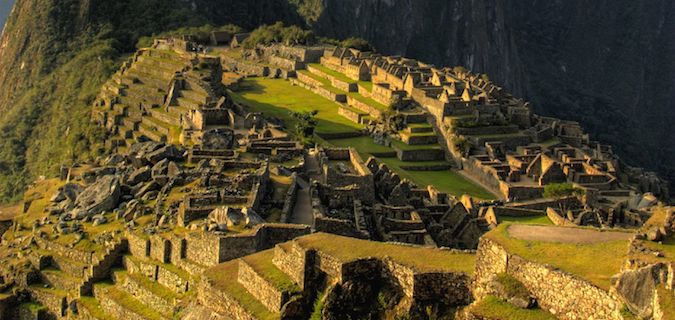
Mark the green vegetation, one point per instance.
(512, 287)
(261, 262)
(447, 181)
(560, 190)
(278, 98)
(353, 43)
(305, 123)
(201, 34)
(92, 305)
(331, 72)
(33, 307)
(317, 311)
(129, 302)
(363, 144)
(347, 249)
(493, 308)
(221, 277)
(278, 33)
(596, 262)
(542, 220)
(666, 303)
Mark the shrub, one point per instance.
(560, 190)
(278, 33)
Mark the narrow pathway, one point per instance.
(302, 212)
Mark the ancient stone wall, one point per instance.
(291, 198)
(561, 293)
(373, 111)
(260, 288)
(248, 69)
(350, 114)
(287, 64)
(293, 261)
(220, 302)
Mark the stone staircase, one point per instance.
(135, 105)
(142, 288)
(253, 287)
(63, 274)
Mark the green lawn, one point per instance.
(542, 220)
(261, 262)
(596, 262)
(278, 98)
(224, 277)
(493, 308)
(403, 146)
(446, 181)
(332, 73)
(348, 249)
(364, 145)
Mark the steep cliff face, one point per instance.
(607, 64)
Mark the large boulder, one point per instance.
(142, 174)
(169, 152)
(637, 287)
(102, 195)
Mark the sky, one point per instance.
(5, 8)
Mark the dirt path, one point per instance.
(302, 212)
(565, 235)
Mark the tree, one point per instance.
(356, 43)
(561, 190)
(305, 123)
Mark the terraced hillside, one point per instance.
(418, 156)
(151, 97)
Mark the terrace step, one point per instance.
(222, 290)
(150, 133)
(53, 299)
(69, 266)
(263, 280)
(147, 291)
(122, 305)
(419, 138)
(419, 128)
(149, 79)
(169, 276)
(90, 308)
(194, 95)
(156, 124)
(188, 103)
(60, 280)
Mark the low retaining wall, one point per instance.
(420, 155)
(291, 197)
(375, 112)
(561, 293)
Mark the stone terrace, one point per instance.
(267, 282)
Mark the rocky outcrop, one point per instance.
(103, 195)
